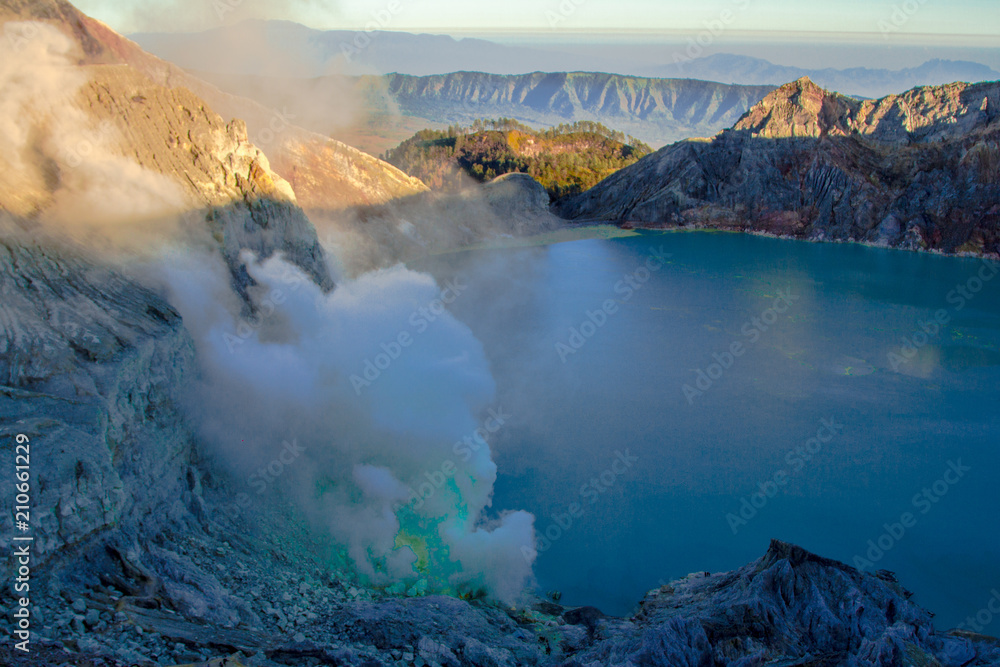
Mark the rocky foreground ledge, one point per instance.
(790, 608)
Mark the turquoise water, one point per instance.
(681, 497)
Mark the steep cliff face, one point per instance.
(90, 367)
(915, 171)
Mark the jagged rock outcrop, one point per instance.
(789, 607)
(915, 171)
(929, 113)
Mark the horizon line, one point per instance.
(650, 32)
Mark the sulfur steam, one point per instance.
(396, 464)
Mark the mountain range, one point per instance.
(285, 49)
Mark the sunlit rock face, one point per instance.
(104, 155)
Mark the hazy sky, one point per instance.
(937, 17)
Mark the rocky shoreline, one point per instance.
(205, 596)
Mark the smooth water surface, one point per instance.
(693, 459)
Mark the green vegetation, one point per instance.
(566, 159)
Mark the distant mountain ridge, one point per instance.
(857, 81)
(305, 52)
(917, 171)
(265, 47)
(656, 111)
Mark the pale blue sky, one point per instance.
(938, 17)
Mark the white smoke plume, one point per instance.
(367, 447)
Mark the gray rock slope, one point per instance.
(90, 364)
